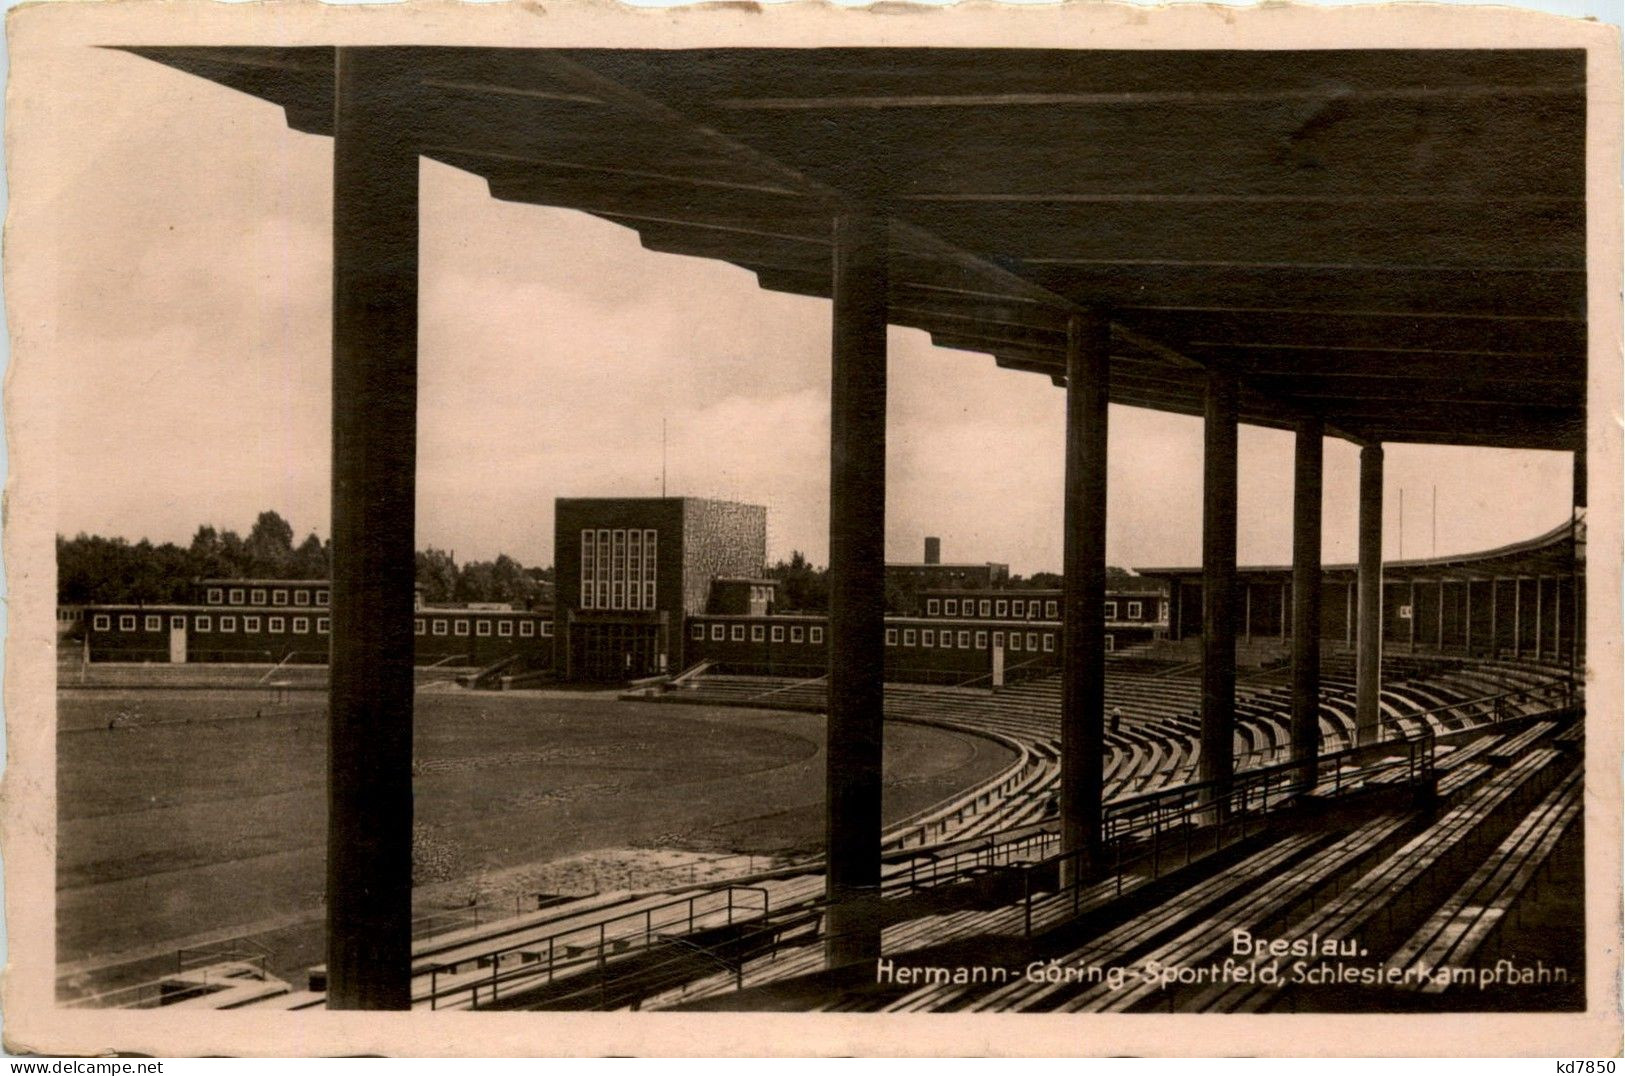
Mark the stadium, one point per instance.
(1228, 788)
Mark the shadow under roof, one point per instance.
(1393, 240)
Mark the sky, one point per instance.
(191, 242)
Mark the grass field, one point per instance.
(199, 814)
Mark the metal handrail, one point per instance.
(1133, 829)
(1554, 687)
(538, 968)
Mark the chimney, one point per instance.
(933, 550)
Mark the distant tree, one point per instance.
(92, 569)
(437, 574)
(510, 582)
(235, 551)
(270, 546)
(476, 582)
(802, 587)
(209, 556)
(310, 560)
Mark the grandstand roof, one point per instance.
(1545, 554)
(1392, 240)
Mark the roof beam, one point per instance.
(1452, 391)
(486, 161)
(1140, 98)
(1355, 197)
(1307, 287)
(1369, 331)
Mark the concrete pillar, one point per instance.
(1495, 608)
(1219, 580)
(375, 322)
(1439, 640)
(1580, 477)
(1576, 587)
(1517, 616)
(1083, 586)
(1554, 600)
(1540, 642)
(1368, 640)
(1348, 614)
(857, 531)
(1414, 616)
(1306, 537)
(1467, 616)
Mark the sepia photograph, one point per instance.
(571, 515)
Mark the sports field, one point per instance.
(192, 816)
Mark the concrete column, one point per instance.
(1580, 477)
(1557, 616)
(1414, 617)
(1286, 609)
(1219, 579)
(857, 531)
(1576, 586)
(1540, 600)
(1306, 537)
(1495, 607)
(1247, 611)
(1517, 616)
(1467, 616)
(1083, 586)
(1348, 614)
(1439, 640)
(1368, 643)
(375, 328)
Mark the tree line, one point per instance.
(92, 569)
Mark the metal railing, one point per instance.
(928, 868)
(1143, 829)
(1499, 704)
(539, 963)
(938, 817)
(239, 951)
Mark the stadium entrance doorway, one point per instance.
(615, 651)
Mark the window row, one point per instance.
(948, 639)
(225, 623)
(258, 596)
(300, 625)
(759, 633)
(1019, 608)
(1135, 610)
(618, 568)
(1022, 608)
(483, 627)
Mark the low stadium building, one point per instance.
(279, 621)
